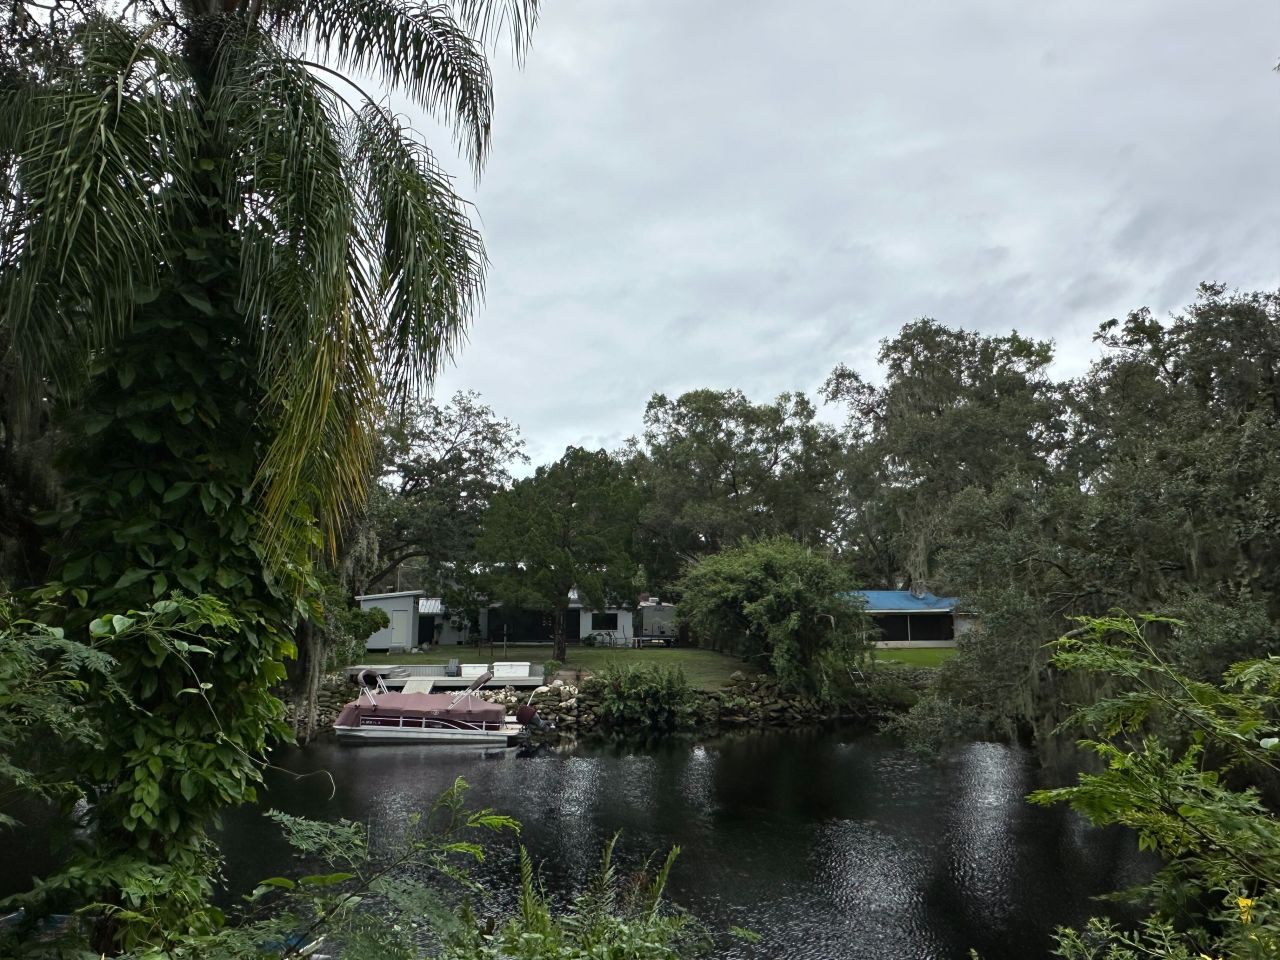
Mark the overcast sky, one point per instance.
(732, 193)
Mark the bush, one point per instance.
(549, 670)
(784, 608)
(933, 723)
(653, 700)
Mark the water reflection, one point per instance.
(831, 845)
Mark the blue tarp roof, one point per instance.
(903, 601)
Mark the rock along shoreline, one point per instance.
(745, 701)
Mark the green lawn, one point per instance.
(921, 657)
(704, 668)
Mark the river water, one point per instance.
(832, 845)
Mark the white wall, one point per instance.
(624, 631)
(453, 635)
(403, 614)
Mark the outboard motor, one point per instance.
(528, 716)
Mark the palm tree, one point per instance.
(355, 262)
(222, 257)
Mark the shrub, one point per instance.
(549, 669)
(784, 608)
(932, 723)
(653, 700)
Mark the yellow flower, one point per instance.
(1246, 909)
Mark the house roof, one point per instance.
(388, 596)
(431, 605)
(904, 601)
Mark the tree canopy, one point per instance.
(715, 467)
(440, 467)
(569, 526)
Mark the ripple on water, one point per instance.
(831, 847)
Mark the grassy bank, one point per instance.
(925, 657)
(705, 669)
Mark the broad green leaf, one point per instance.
(324, 879)
(177, 491)
(130, 577)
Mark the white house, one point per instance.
(417, 619)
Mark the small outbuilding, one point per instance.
(909, 618)
(402, 610)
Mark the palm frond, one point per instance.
(289, 193)
(420, 50)
(487, 20)
(359, 268)
(99, 155)
(429, 256)
(307, 311)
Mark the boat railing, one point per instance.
(367, 690)
(429, 723)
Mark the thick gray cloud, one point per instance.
(689, 193)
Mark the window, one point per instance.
(604, 621)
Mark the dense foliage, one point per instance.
(715, 467)
(216, 270)
(46, 682)
(1181, 759)
(412, 895)
(643, 702)
(781, 607)
(1164, 496)
(131, 723)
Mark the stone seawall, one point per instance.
(745, 701)
(335, 693)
